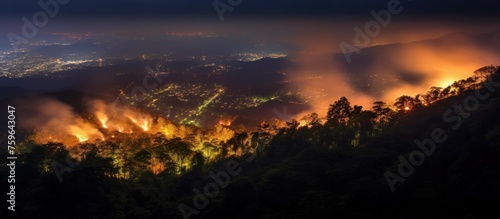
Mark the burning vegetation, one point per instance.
(125, 134)
(137, 141)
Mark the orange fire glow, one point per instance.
(120, 118)
(226, 122)
(71, 129)
(103, 118)
(141, 120)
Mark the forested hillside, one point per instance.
(435, 155)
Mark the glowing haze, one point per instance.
(407, 58)
(54, 121)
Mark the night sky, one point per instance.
(252, 8)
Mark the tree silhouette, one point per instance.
(179, 150)
(484, 73)
(434, 94)
(210, 151)
(447, 91)
(383, 115)
(363, 123)
(404, 102)
(238, 142)
(312, 120)
(339, 112)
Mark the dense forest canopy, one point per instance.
(347, 164)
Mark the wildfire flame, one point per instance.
(103, 118)
(81, 137)
(139, 119)
(120, 118)
(71, 129)
(84, 131)
(226, 122)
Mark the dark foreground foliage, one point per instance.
(332, 170)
